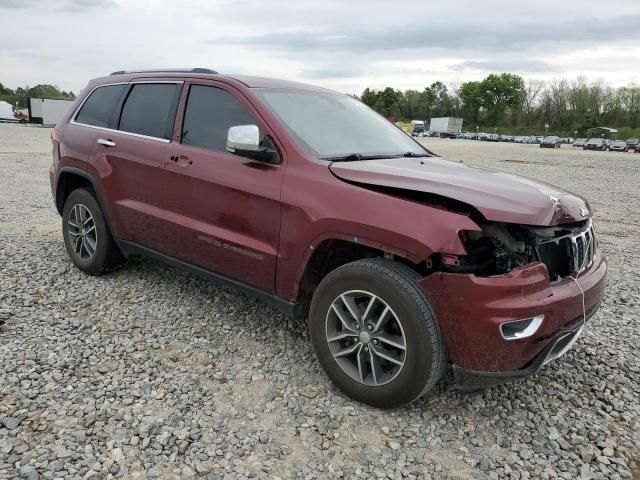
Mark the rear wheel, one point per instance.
(375, 333)
(86, 235)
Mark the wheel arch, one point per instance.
(72, 178)
(335, 251)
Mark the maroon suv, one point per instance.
(403, 262)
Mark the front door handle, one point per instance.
(106, 143)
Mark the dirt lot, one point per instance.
(151, 373)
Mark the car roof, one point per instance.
(246, 80)
(265, 82)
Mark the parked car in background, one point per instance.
(309, 200)
(551, 142)
(596, 144)
(633, 144)
(579, 142)
(618, 146)
(493, 137)
(533, 140)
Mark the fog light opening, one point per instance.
(517, 329)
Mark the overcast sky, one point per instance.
(342, 44)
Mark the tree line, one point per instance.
(20, 95)
(507, 103)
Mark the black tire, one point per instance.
(106, 254)
(396, 284)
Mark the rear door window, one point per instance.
(150, 109)
(98, 108)
(209, 114)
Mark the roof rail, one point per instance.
(166, 70)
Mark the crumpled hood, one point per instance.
(498, 196)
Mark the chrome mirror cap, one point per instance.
(244, 138)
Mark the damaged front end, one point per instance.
(517, 298)
(498, 248)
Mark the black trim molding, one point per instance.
(287, 308)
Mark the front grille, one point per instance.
(568, 255)
(584, 250)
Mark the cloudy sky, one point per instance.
(342, 44)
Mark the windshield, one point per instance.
(596, 140)
(331, 126)
(552, 139)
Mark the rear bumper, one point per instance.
(470, 310)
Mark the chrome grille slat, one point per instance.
(580, 248)
(583, 250)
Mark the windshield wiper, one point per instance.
(354, 157)
(414, 154)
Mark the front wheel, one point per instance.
(375, 334)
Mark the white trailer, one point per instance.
(446, 126)
(6, 113)
(47, 111)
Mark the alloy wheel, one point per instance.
(365, 337)
(82, 233)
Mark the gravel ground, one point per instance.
(152, 373)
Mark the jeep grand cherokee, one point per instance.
(403, 262)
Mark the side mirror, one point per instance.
(244, 140)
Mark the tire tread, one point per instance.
(407, 281)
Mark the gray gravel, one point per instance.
(151, 373)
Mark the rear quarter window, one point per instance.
(98, 108)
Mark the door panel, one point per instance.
(226, 208)
(134, 182)
(226, 212)
(129, 156)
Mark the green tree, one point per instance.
(470, 94)
(369, 97)
(500, 92)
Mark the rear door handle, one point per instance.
(181, 160)
(106, 143)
